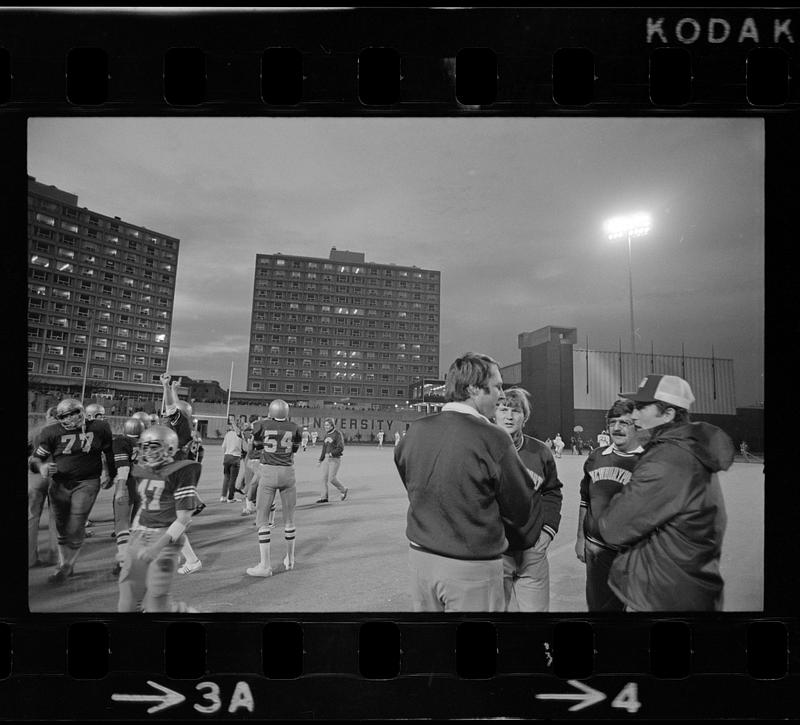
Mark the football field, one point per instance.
(351, 555)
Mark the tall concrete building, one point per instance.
(100, 298)
(342, 329)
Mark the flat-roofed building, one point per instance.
(342, 329)
(100, 298)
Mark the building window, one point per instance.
(99, 355)
(44, 219)
(118, 375)
(137, 377)
(55, 350)
(53, 368)
(76, 370)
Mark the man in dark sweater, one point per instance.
(470, 497)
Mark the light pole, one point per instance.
(634, 225)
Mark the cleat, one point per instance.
(288, 564)
(262, 571)
(222, 499)
(322, 500)
(113, 534)
(88, 534)
(344, 494)
(117, 569)
(60, 575)
(190, 568)
(89, 523)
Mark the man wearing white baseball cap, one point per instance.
(670, 517)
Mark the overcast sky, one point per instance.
(510, 210)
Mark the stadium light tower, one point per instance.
(620, 227)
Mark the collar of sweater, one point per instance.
(462, 408)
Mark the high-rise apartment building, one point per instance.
(100, 294)
(342, 329)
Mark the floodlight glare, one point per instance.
(621, 227)
(635, 225)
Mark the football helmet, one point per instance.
(157, 445)
(93, 410)
(142, 416)
(70, 413)
(133, 427)
(278, 409)
(185, 408)
(154, 420)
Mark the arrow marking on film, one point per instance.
(588, 697)
(170, 698)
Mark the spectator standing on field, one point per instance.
(231, 460)
(330, 459)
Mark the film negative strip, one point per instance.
(72, 656)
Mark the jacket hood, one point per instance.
(711, 445)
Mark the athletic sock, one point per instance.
(263, 545)
(288, 534)
(188, 552)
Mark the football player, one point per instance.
(281, 439)
(178, 417)
(77, 448)
(95, 411)
(144, 417)
(125, 454)
(37, 493)
(166, 490)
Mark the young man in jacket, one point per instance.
(470, 496)
(671, 515)
(526, 573)
(330, 459)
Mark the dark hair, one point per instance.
(472, 368)
(620, 408)
(51, 412)
(681, 414)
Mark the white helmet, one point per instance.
(278, 409)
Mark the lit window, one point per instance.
(44, 219)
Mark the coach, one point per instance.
(671, 515)
(469, 495)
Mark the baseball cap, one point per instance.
(666, 388)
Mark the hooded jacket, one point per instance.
(671, 519)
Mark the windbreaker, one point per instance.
(670, 518)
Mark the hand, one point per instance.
(165, 378)
(542, 543)
(105, 480)
(176, 383)
(580, 549)
(147, 554)
(48, 470)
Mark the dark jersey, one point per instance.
(541, 465)
(183, 428)
(125, 452)
(281, 441)
(164, 490)
(77, 453)
(605, 472)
